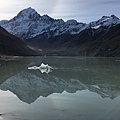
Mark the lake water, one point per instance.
(76, 88)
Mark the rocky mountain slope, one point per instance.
(11, 45)
(108, 44)
(54, 36)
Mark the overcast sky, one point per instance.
(81, 10)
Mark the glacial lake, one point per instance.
(73, 88)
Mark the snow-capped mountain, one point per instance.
(28, 24)
(107, 21)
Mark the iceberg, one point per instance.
(43, 68)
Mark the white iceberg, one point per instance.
(43, 68)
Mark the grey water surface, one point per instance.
(77, 88)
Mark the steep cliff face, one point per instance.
(11, 45)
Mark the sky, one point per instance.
(81, 10)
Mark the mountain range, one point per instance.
(56, 37)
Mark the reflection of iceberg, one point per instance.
(43, 68)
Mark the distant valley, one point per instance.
(44, 35)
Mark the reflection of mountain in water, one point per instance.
(29, 84)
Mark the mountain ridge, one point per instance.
(41, 24)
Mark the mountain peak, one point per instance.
(107, 21)
(109, 17)
(28, 10)
(114, 17)
(28, 13)
(105, 17)
(46, 17)
(72, 22)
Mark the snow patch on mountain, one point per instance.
(96, 27)
(107, 21)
